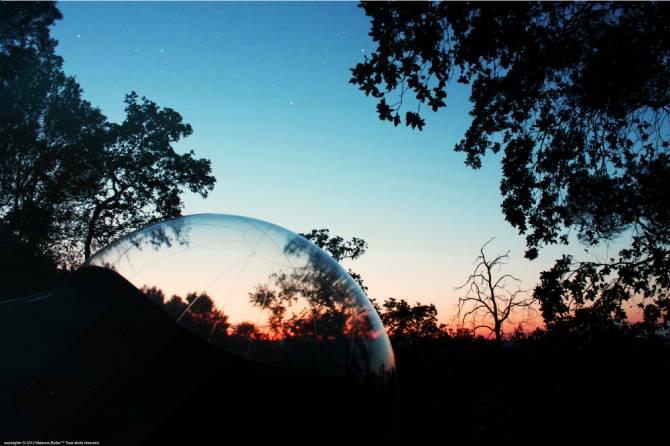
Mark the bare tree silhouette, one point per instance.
(489, 302)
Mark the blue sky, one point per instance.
(265, 87)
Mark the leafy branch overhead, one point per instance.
(339, 248)
(70, 180)
(142, 177)
(574, 94)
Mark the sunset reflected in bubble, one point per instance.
(257, 291)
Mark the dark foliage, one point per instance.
(70, 181)
(339, 248)
(534, 388)
(407, 323)
(575, 94)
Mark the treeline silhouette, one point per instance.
(310, 317)
(467, 387)
(573, 96)
(71, 181)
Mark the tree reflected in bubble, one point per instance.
(257, 291)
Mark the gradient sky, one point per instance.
(265, 87)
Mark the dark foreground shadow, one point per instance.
(98, 361)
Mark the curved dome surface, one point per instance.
(257, 291)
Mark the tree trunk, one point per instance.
(91, 230)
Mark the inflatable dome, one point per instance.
(256, 291)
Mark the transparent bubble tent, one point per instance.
(256, 291)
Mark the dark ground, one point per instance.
(119, 370)
(563, 389)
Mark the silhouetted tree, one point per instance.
(265, 298)
(46, 128)
(140, 177)
(202, 316)
(70, 181)
(576, 96)
(461, 333)
(402, 321)
(314, 300)
(339, 248)
(175, 307)
(247, 330)
(197, 312)
(488, 302)
(154, 294)
(305, 303)
(199, 303)
(405, 322)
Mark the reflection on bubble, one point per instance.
(257, 291)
